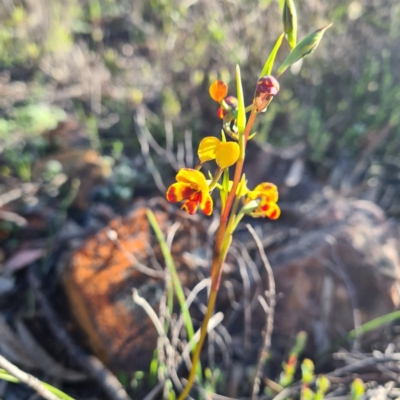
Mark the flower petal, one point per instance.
(184, 175)
(270, 210)
(218, 90)
(221, 113)
(206, 203)
(178, 192)
(192, 177)
(267, 190)
(190, 206)
(227, 154)
(207, 148)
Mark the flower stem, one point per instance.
(221, 248)
(215, 180)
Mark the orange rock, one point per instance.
(100, 276)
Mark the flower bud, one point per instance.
(231, 102)
(303, 49)
(218, 90)
(290, 22)
(250, 206)
(222, 113)
(227, 105)
(268, 84)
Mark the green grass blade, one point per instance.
(363, 329)
(175, 279)
(271, 58)
(374, 324)
(174, 274)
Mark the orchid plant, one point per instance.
(194, 189)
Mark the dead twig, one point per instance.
(45, 362)
(215, 320)
(12, 348)
(189, 148)
(113, 236)
(246, 301)
(338, 268)
(144, 145)
(366, 362)
(262, 358)
(205, 283)
(142, 302)
(15, 194)
(28, 379)
(94, 367)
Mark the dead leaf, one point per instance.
(22, 258)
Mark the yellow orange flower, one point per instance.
(191, 188)
(224, 153)
(267, 195)
(218, 90)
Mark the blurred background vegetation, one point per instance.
(100, 60)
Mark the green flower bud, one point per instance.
(303, 49)
(290, 22)
(250, 207)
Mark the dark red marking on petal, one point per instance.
(207, 209)
(171, 194)
(273, 215)
(190, 206)
(188, 192)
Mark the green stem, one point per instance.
(215, 180)
(238, 218)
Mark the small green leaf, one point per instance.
(307, 371)
(357, 389)
(249, 207)
(271, 58)
(290, 22)
(241, 112)
(303, 49)
(307, 394)
(322, 384)
(252, 135)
